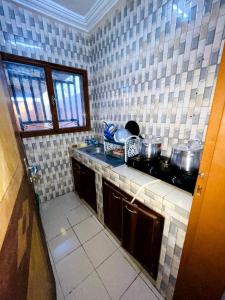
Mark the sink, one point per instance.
(98, 152)
(95, 150)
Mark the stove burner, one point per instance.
(160, 168)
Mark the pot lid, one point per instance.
(192, 145)
(152, 140)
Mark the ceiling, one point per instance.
(81, 7)
(82, 14)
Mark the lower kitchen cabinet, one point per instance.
(84, 183)
(137, 226)
(142, 235)
(112, 205)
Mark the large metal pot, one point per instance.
(151, 148)
(186, 157)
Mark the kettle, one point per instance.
(109, 131)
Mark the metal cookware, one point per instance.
(133, 127)
(151, 148)
(186, 157)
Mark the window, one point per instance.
(47, 98)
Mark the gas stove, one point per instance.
(160, 168)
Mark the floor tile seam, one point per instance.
(128, 286)
(140, 268)
(61, 233)
(77, 285)
(87, 239)
(95, 268)
(149, 287)
(64, 213)
(56, 262)
(79, 222)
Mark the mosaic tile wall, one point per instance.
(26, 33)
(156, 61)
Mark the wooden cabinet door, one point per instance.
(112, 203)
(142, 235)
(88, 186)
(84, 183)
(77, 177)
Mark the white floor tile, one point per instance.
(77, 215)
(90, 289)
(57, 207)
(87, 229)
(99, 248)
(146, 279)
(55, 227)
(72, 269)
(115, 241)
(132, 261)
(63, 244)
(138, 290)
(117, 274)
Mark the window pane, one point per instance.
(68, 88)
(29, 96)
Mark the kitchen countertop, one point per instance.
(156, 189)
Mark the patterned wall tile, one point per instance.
(156, 62)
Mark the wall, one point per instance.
(156, 62)
(152, 61)
(26, 33)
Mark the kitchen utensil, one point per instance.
(109, 131)
(121, 135)
(187, 157)
(151, 148)
(133, 127)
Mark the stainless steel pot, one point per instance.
(151, 148)
(186, 157)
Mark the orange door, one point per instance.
(202, 270)
(25, 270)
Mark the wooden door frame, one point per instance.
(216, 117)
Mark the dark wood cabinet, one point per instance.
(137, 226)
(84, 183)
(142, 234)
(112, 205)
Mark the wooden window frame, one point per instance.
(48, 67)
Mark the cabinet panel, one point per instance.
(77, 177)
(112, 204)
(84, 183)
(88, 187)
(142, 235)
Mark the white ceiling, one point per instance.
(81, 7)
(82, 14)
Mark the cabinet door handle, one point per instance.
(117, 197)
(130, 210)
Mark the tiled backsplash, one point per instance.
(156, 62)
(152, 61)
